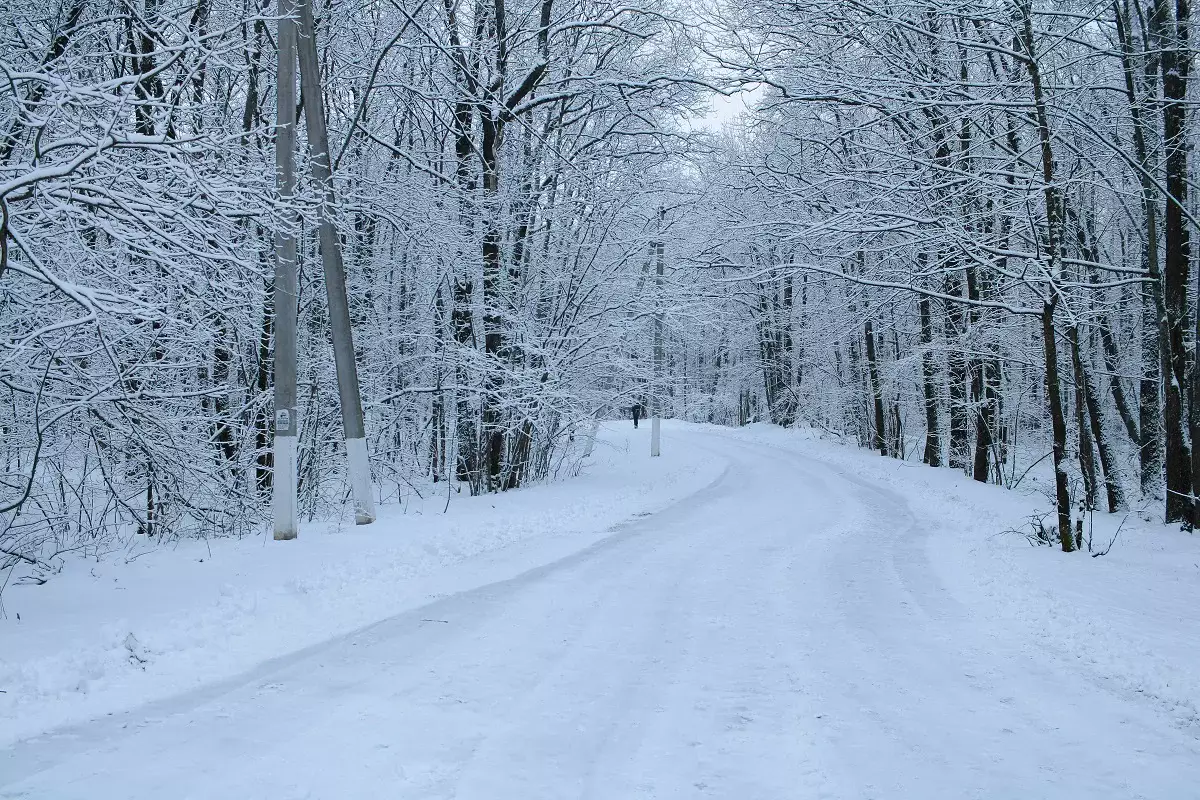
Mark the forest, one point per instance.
(259, 261)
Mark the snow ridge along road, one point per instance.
(782, 634)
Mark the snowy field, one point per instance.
(758, 614)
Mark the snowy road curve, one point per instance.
(780, 635)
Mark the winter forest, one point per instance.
(555, 399)
(957, 233)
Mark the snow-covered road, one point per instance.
(781, 634)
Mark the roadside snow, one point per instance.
(1127, 620)
(817, 622)
(105, 636)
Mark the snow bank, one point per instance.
(105, 636)
(1127, 620)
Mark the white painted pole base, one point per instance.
(360, 481)
(654, 437)
(592, 434)
(283, 483)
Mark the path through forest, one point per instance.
(781, 634)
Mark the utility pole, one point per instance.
(335, 273)
(283, 483)
(656, 397)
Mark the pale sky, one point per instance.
(723, 110)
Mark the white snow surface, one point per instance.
(756, 614)
(199, 612)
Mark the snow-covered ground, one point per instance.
(1129, 618)
(756, 615)
(106, 635)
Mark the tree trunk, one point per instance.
(1112, 484)
(1112, 363)
(985, 419)
(933, 439)
(1054, 240)
(1175, 63)
(879, 440)
(897, 445)
(494, 344)
(960, 447)
(656, 398)
(1058, 423)
(981, 393)
(1154, 338)
(1087, 454)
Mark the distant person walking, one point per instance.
(637, 413)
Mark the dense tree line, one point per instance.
(496, 167)
(954, 232)
(960, 232)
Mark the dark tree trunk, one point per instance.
(897, 446)
(1112, 363)
(467, 463)
(933, 439)
(985, 419)
(264, 458)
(1175, 63)
(1154, 339)
(982, 395)
(787, 360)
(1054, 241)
(1087, 454)
(493, 321)
(1112, 484)
(1058, 422)
(960, 447)
(879, 440)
